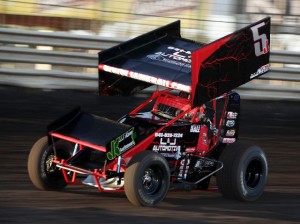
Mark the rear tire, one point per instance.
(147, 179)
(42, 172)
(245, 172)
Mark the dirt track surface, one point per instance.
(24, 114)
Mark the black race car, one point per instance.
(184, 134)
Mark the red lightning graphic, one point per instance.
(225, 64)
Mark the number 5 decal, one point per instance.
(261, 42)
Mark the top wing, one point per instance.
(162, 57)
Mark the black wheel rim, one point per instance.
(152, 180)
(50, 167)
(51, 171)
(254, 173)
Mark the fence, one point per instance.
(72, 64)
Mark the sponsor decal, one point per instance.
(231, 115)
(195, 128)
(169, 155)
(203, 162)
(230, 123)
(166, 146)
(230, 133)
(167, 142)
(168, 135)
(190, 149)
(182, 162)
(208, 163)
(145, 78)
(121, 144)
(229, 140)
(181, 167)
(263, 69)
(183, 172)
(175, 56)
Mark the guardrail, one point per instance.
(73, 52)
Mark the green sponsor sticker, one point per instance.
(121, 144)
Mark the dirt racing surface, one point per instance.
(24, 114)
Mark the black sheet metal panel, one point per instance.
(88, 127)
(159, 57)
(231, 61)
(162, 57)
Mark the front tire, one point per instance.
(147, 179)
(42, 171)
(245, 172)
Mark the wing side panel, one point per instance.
(230, 61)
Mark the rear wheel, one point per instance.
(245, 172)
(42, 171)
(147, 179)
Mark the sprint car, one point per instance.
(183, 135)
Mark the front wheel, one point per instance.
(42, 171)
(147, 179)
(245, 172)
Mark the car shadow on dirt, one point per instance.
(269, 206)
